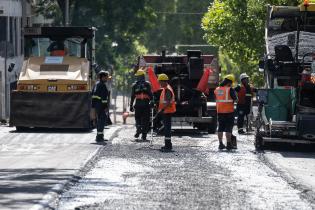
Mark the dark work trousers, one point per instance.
(242, 112)
(101, 121)
(142, 117)
(167, 121)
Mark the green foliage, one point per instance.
(237, 26)
(176, 22)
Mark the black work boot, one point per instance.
(221, 146)
(229, 146)
(137, 135)
(168, 146)
(144, 137)
(234, 142)
(100, 138)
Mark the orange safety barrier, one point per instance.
(153, 80)
(203, 83)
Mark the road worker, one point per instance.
(225, 98)
(167, 107)
(141, 97)
(57, 48)
(244, 104)
(100, 97)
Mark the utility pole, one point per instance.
(67, 12)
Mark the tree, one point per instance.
(237, 26)
(177, 22)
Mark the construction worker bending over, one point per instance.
(244, 104)
(100, 96)
(167, 107)
(225, 98)
(141, 97)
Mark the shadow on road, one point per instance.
(34, 182)
(51, 130)
(189, 132)
(287, 150)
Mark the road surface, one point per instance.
(133, 175)
(36, 165)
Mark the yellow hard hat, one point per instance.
(230, 77)
(163, 77)
(140, 72)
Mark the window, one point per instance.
(40, 46)
(3, 35)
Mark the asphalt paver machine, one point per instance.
(193, 107)
(286, 112)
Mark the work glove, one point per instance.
(132, 109)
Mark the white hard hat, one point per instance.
(243, 76)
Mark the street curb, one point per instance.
(49, 201)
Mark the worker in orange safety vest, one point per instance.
(225, 98)
(167, 107)
(244, 104)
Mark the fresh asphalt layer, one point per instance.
(134, 175)
(36, 165)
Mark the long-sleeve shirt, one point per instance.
(138, 88)
(100, 96)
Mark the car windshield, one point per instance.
(46, 47)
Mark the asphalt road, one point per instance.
(36, 165)
(133, 175)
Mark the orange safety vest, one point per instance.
(172, 107)
(225, 103)
(58, 53)
(242, 95)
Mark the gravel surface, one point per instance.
(133, 175)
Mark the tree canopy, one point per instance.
(176, 22)
(237, 26)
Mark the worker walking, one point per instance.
(141, 96)
(100, 96)
(225, 98)
(167, 107)
(244, 104)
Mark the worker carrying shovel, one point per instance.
(167, 107)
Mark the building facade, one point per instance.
(14, 15)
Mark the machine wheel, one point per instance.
(258, 142)
(201, 126)
(212, 128)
